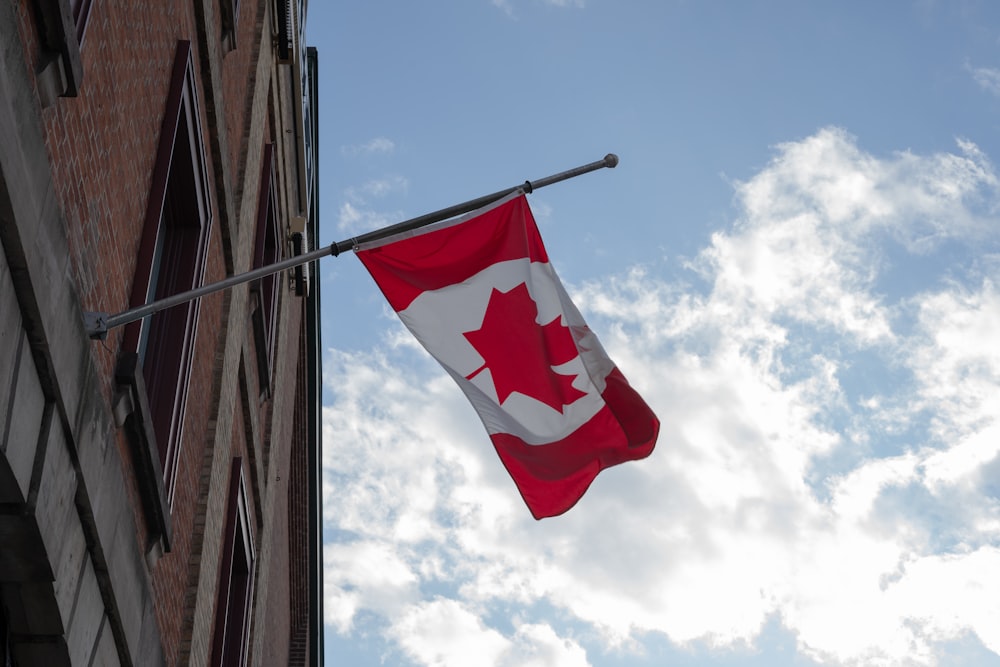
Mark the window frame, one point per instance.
(265, 291)
(81, 15)
(62, 25)
(234, 602)
(180, 180)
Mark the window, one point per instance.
(230, 17)
(267, 250)
(61, 27)
(236, 572)
(171, 259)
(282, 17)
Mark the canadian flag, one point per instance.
(480, 295)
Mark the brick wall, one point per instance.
(100, 148)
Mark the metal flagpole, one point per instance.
(98, 324)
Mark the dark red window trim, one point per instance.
(172, 257)
(231, 640)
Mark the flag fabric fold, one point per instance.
(478, 292)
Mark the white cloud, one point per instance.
(377, 146)
(504, 6)
(508, 8)
(864, 518)
(957, 357)
(988, 79)
(374, 568)
(537, 645)
(357, 215)
(959, 463)
(378, 188)
(443, 632)
(352, 219)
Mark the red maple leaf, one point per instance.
(520, 353)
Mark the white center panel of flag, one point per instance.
(440, 318)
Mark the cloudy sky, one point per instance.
(797, 263)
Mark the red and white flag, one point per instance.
(479, 294)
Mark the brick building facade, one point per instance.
(159, 483)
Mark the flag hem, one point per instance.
(443, 224)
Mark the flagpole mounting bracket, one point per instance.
(96, 325)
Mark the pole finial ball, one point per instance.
(611, 160)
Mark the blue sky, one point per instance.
(797, 263)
